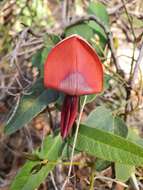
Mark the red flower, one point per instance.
(74, 68)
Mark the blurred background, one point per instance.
(25, 26)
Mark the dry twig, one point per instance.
(137, 66)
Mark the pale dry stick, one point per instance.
(18, 82)
(9, 88)
(35, 42)
(14, 152)
(105, 1)
(137, 14)
(134, 37)
(74, 142)
(11, 82)
(64, 11)
(134, 75)
(53, 181)
(110, 179)
(32, 50)
(117, 8)
(127, 56)
(129, 19)
(43, 138)
(28, 138)
(107, 179)
(140, 184)
(137, 65)
(14, 55)
(18, 45)
(135, 182)
(128, 90)
(15, 108)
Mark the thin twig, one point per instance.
(15, 108)
(31, 50)
(117, 8)
(53, 181)
(135, 182)
(34, 42)
(134, 37)
(65, 11)
(110, 179)
(14, 152)
(137, 66)
(128, 89)
(92, 180)
(28, 138)
(50, 118)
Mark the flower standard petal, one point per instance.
(74, 68)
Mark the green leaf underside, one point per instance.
(123, 172)
(89, 99)
(50, 40)
(30, 106)
(81, 29)
(107, 79)
(102, 118)
(27, 181)
(99, 10)
(108, 146)
(101, 164)
(108, 123)
(88, 29)
(39, 58)
(133, 135)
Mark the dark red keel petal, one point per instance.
(68, 114)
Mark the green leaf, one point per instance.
(50, 40)
(123, 172)
(96, 119)
(81, 29)
(36, 60)
(25, 179)
(107, 79)
(102, 118)
(133, 135)
(101, 164)
(44, 55)
(120, 127)
(47, 144)
(31, 105)
(55, 39)
(40, 57)
(99, 10)
(108, 146)
(90, 98)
